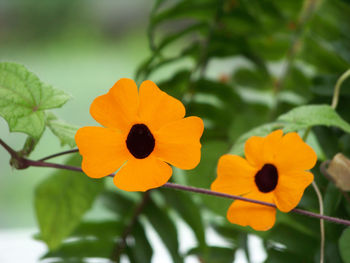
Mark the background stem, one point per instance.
(59, 154)
(337, 87)
(122, 243)
(320, 202)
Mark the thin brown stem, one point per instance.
(235, 197)
(306, 13)
(203, 191)
(337, 87)
(11, 151)
(128, 229)
(28, 163)
(322, 230)
(52, 165)
(59, 154)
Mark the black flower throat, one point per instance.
(140, 141)
(266, 179)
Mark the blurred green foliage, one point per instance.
(278, 63)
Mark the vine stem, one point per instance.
(321, 207)
(39, 163)
(201, 191)
(337, 87)
(59, 154)
(320, 202)
(241, 198)
(11, 151)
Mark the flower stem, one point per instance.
(336, 93)
(59, 154)
(11, 151)
(320, 202)
(128, 229)
(29, 162)
(235, 197)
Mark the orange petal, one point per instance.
(259, 217)
(117, 108)
(262, 150)
(294, 154)
(158, 108)
(290, 189)
(235, 176)
(178, 142)
(103, 150)
(253, 151)
(142, 174)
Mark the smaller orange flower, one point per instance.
(273, 171)
(143, 131)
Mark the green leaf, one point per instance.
(64, 132)
(61, 200)
(314, 115)
(195, 9)
(344, 245)
(205, 173)
(142, 249)
(252, 77)
(263, 130)
(214, 254)
(23, 99)
(177, 85)
(103, 230)
(118, 203)
(332, 199)
(188, 210)
(165, 228)
(80, 249)
(277, 256)
(296, 119)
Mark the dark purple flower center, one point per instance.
(140, 141)
(267, 178)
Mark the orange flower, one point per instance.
(143, 131)
(273, 171)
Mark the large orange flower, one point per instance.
(143, 131)
(273, 171)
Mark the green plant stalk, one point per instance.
(321, 206)
(28, 147)
(322, 230)
(337, 87)
(335, 100)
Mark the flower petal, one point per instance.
(290, 189)
(142, 174)
(253, 151)
(178, 142)
(117, 108)
(262, 150)
(103, 150)
(259, 217)
(158, 108)
(294, 154)
(235, 176)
